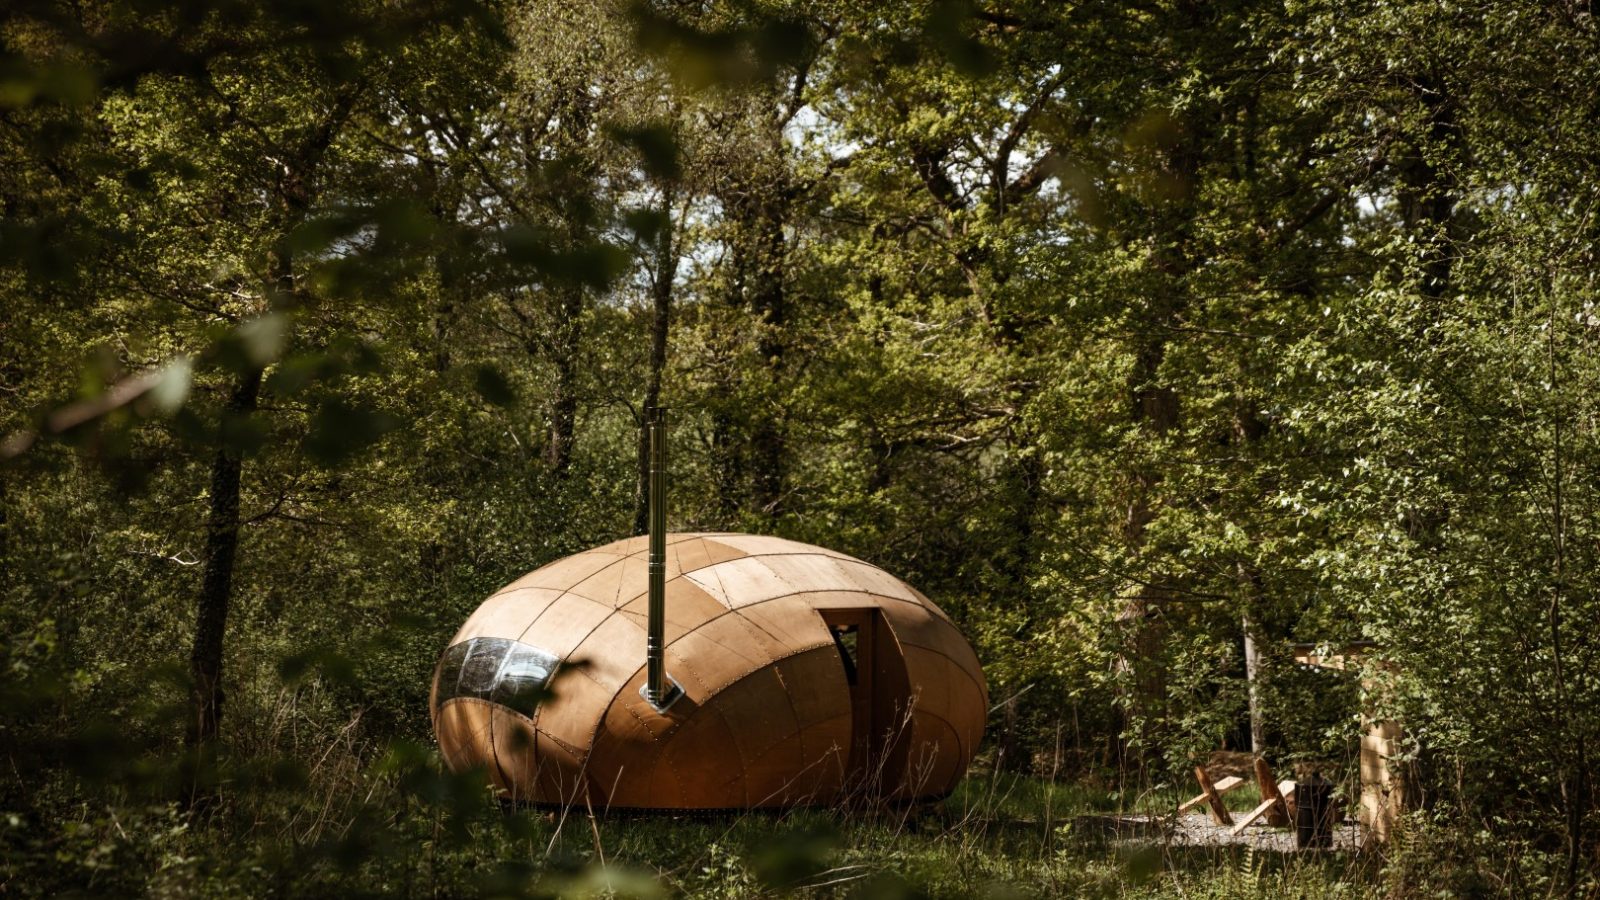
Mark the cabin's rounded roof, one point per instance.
(707, 575)
(747, 641)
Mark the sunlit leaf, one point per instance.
(171, 389)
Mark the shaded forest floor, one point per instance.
(421, 835)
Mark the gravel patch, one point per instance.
(1197, 830)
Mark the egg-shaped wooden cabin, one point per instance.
(805, 676)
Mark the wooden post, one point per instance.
(1382, 794)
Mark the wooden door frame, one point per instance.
(879, 700)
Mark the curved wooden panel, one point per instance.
(815, 683)
(765, 734)
(931, 678)
(714, 660)
(825, 755)
(463, 733)
(719, 550)
(698, 756)
(740, 582)
(612, 651)
(576, 708)
(688, 607)
(507, 614)
(516, 759)
(566, 572)
(560, 772)
(615, 585)
(790, 620)
(875, 580)
(564, 624)
(934, 762)
(623, 759)
(697, 553)
(918, 625)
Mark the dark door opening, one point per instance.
(880, 698)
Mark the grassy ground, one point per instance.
(389, 831)
(997, 836)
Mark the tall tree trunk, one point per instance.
(443, 205)
(1155, 410)
(442, 316)
(1153, 404)
(1258, 728)
(752, 441)
(1427, 194)
(206, 655)
(767, 298)
(1248, 430)
(563, 419)
(295, 192)
(727, 466)
(216, 590)
(564, 394)
(5, 520)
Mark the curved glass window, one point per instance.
(500, 670)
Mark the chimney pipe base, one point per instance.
(669, 696)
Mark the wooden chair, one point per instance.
(1211, 794)
(1277, 798)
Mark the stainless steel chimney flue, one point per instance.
(659, 689)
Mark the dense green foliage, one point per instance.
(1118, 329)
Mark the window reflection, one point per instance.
(500, 670)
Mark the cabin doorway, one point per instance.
(880, 699)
